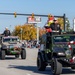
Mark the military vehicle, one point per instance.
(11, 45)
(56, 50)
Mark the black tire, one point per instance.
(17, 56)
(23, 54)
(2, 54)
(56, 67)
(73, 67)
(40, 64)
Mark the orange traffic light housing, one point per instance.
(32, 15)
(49, 16)
(15, 14)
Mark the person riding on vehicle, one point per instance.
(56, 26)
(6, 32)
(53, 25)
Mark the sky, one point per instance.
(54, 7)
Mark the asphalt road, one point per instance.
(12, 66)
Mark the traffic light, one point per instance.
(32, 15)
(15, 14)
(49, 16)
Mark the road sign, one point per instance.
(33, 20)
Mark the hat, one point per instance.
(46, 26)
(6, 27)
(55, 19)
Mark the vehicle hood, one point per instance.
(15, 44)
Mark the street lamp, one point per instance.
(37, 34)
(10, 28)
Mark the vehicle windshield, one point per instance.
(66, 38)
(10, 39)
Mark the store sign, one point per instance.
(33, 20)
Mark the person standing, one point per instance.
(56, 26)
(6, 32)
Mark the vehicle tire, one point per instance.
(23, 54)
(56, 67)
(17, 56)
(40, 64)
(2, 54)
(73, 67)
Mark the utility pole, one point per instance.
(10, 28)
(37, 35)
(21, 33)
(64, 21)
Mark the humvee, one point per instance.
(56, 50)
(11, 45)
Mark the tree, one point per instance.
(67, 23)
(28, 31)
(61, 22)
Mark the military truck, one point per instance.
(11, 45)
(56, 50)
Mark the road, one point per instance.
(12, 66)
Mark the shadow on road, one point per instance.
(11, 58)
(46, 72)
(68, 71)
(32, 68)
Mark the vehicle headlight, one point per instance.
(68, 53)
(7, 46)
(61, 54)
(11, 46)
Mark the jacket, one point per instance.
(53, 26)
(6, 33)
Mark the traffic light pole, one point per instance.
(20, 14)
(34, 15)
(28, 14)
(64, 16)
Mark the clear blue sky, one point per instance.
(54, 7)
